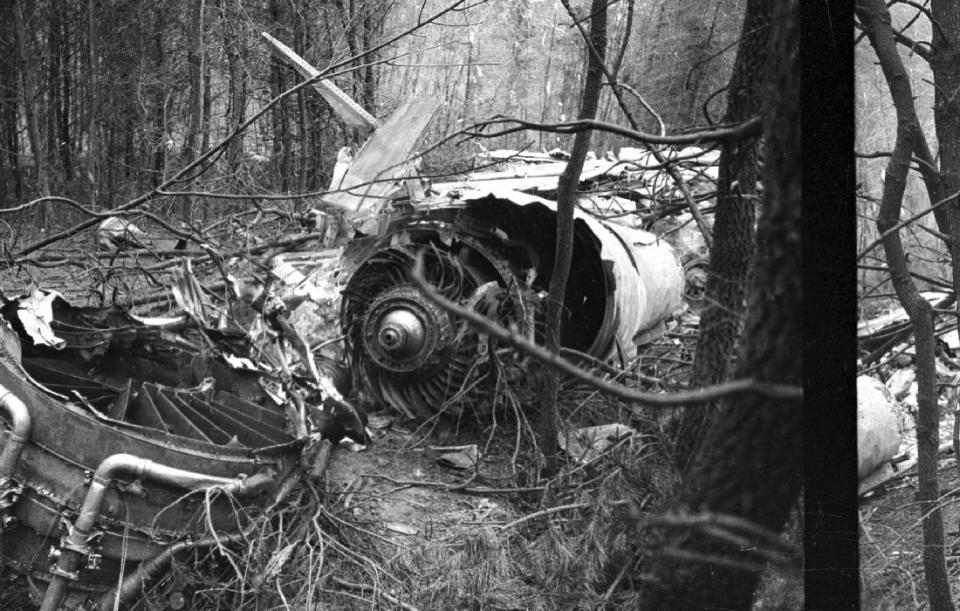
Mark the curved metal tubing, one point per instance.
(151, 569)
(115, 466)
(21, 424)
(20, 431)
(134, 583)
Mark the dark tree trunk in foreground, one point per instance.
(945, 64)
(733, 233)
(875, 18)
(750, 464)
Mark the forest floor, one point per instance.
(890, 529)
(891, 542)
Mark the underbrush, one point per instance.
(568, 541)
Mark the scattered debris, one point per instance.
(586, 444)
(459, 457)
(150, 435)
(492, 250)
(185, 405)
(878, 426)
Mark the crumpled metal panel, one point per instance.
(119, 386)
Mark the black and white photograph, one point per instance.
(465, 304)
(907, 70)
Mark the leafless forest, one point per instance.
(906, 143)
(537, 262)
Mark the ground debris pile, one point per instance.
(887, 392)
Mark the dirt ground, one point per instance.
(891, 538)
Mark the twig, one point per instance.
(677, 399)
(454, 487)
(377, 591)
(748, 129)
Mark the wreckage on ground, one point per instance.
(887, 392)
(132, 439)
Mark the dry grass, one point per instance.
(891, 562)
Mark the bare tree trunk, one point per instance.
(196, 70)
(282, 139)
(945, 64)
(545, 97)
(93, 107)
(303, 131)
(750, 466)
(159, 101)
(28, 87)
(875, 17)
(237, 85)
(9, 102)
(733, 230)
(57, 144)
(566, 201)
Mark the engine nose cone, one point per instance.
(401, 333)
(405, 333)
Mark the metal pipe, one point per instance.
(136, 582)
(139, 580)
(75, 545)
(150, 569)
(19, 433)
(20, 425)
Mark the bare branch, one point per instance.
(747, 129)
(677, 399)
(895, 228)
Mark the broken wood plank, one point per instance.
(351, 112)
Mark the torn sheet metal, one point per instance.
(116, 385)
(493, 250)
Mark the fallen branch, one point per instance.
(676, 399)
(747, 129)
(393, 600)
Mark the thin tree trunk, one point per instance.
(196, 73)
(282, 138)
(750, 466)
(93, 106)
(55, 101)
(875, 17)
(9, 103)
(65, 145)
(545, 97)
(28, 88)
(159, 98)
(566, 202)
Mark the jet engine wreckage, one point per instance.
(128, 439)
(493, 252)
